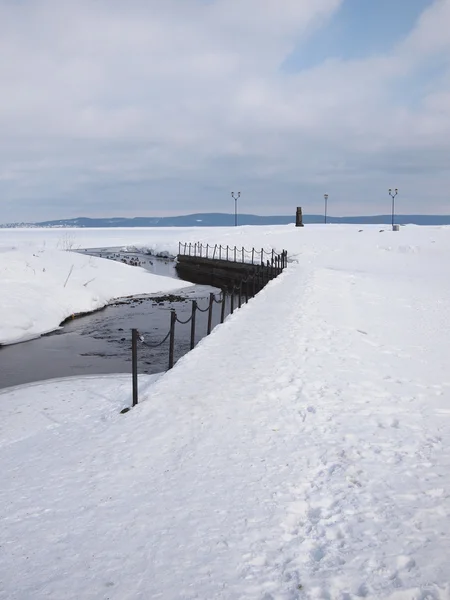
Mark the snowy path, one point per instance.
(301, 451)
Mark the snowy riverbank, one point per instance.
(301, 451)
(41, 287)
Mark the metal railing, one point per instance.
(230, 253)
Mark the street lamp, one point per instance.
(235, 197)
(392, 195)
(326, 202)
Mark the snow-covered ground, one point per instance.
(301, 451)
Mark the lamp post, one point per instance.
(392, 195)
(235, 197)
(326, 203)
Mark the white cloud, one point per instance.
(105, 94)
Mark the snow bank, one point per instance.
(40, 287)
(35, 409)
(301, 451)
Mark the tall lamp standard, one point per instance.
(235, 197)
(326, 203)
(392, 195)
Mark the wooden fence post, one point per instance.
(210, 309)
(134, 368)
(173, 318)
(194, 310)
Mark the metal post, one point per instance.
(235, 254)
(232, 300)
(211, 300)
(240, 295)
(220, 252)
(235, 198)
(222, 309)
(243, 254)
(134, 369)
(194, 311)
(173, 318)
(253, 256)
(227, 251)
(326, 203)
(254, 282)
(392, 195)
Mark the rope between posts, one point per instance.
(184, 322)
(142, 339)
(218, 301)
(202, 309)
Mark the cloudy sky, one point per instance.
(161, 107)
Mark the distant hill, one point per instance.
(227, 220)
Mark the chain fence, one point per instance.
(251, 256)
(239, 293)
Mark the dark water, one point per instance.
(100, 343)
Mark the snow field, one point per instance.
(301, 451)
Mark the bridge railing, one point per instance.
(241, 254)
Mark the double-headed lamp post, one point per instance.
(235, 197)
(392, 194)
(326, 203)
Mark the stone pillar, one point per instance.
(299, 217)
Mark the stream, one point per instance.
(100, 343)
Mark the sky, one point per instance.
(153, 108)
